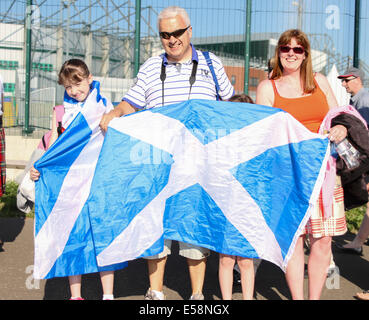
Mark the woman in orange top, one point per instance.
(307, 96)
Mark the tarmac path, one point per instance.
(16, 282)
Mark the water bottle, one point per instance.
(348, 153)
(334, 153)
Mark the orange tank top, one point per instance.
(309, 110)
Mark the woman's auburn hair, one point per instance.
(306, 67)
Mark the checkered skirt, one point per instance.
(320, 226)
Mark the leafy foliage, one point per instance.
(8, 202)
(354, 217)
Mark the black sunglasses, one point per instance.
(297, 50)
(348, 80)
(175, 34)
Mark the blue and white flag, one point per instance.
(237, 178)
(63, 237)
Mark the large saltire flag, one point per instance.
(63, 236)
(237, 178)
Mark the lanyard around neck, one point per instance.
(163, 76)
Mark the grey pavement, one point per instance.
(16, 282)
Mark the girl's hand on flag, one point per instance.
(34, 174)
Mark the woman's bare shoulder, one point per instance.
(265, 93)
(265, 84)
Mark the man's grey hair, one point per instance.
(173, 11)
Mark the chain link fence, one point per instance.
(102, 33)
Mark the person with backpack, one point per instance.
(179, 74)
(78, 83)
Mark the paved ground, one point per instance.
(16, 282)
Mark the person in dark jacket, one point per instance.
(355, 183)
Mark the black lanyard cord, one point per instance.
(191, 80)
(163, 75)
(193, 76)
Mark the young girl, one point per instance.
(227, 262)
(76, 79)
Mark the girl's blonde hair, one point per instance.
(73, 70)
(306, 68)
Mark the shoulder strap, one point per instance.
(59, 110)
(210, 65)
(46, 137)
(274, 88)
(43, 142)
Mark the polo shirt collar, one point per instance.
(357, 96)
(195, 57)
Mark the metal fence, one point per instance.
(114, 37)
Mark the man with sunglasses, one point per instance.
(352, 81)
(179, 74)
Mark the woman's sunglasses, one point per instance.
(297, 50)
(176, 34)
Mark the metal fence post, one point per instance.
(357, 34)
(137, 36)
(247, 45)
(28, 69)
